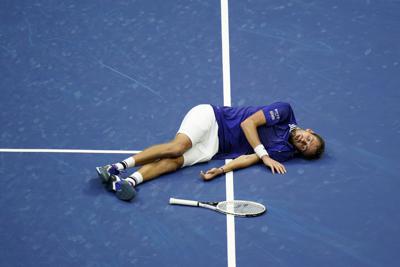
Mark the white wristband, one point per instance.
(260, 151)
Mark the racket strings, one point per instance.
(240, 207)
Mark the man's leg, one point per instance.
(155, 169)
(173, 149)
(195, 124)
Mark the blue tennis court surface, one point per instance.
(120, 75)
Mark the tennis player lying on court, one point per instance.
(267, 134)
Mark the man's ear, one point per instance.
(309, 130)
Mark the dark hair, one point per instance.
(319, 151)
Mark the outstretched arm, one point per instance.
(238, 163)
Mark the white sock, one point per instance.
(125, 164)
(135, 178)
(119, 166)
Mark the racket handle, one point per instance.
(176, 201)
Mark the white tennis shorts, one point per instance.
(201, 127)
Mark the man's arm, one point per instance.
(238, 163)
(249, 127)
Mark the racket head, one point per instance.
(242, 208)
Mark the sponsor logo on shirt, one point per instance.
(274, 114)
(292, 127)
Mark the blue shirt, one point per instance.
(274, 135)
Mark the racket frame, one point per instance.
(214, 206)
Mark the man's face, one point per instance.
(304, 141)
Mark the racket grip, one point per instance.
(176, 201)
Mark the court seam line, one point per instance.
(230, 219)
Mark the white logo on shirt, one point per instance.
(274, 114)
(292, 127)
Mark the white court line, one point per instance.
(226, 74)
(226, 69)
(78, 151)
(230, 221)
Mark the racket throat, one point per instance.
(208, 206)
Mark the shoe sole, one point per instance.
(125, 191)
(105, 178)
(103, 175)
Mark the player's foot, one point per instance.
(125, 190)
(105, 174)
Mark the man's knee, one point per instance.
(172, 164)
(179, 146)
(176, 149)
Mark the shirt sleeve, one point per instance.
(277, 112)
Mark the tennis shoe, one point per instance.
(105, 174)
(125, 190)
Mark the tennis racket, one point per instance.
(242, 208)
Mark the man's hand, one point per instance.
(274, 165)
(210, 174)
